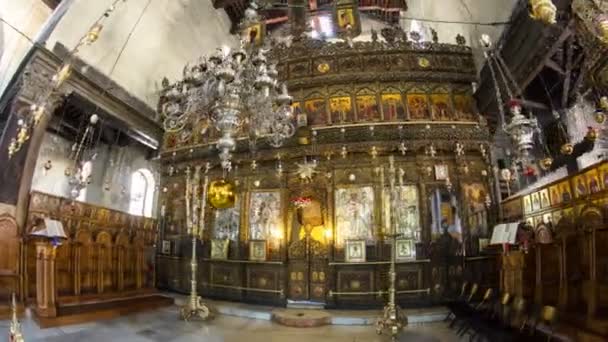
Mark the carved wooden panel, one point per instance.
(106, 251)
(9, 257)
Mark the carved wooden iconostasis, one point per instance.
(311, 216)
(566, 264)
(107, 253)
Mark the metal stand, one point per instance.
(195, 306)
(14, 331)
(393, 318)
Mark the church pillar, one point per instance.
(45, 279)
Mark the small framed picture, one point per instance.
(404, 249)
(219, 249)
(441, 172)
(483, 243)
(355, 251)
(166, 247)
(257, 250)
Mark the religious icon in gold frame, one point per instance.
(535, 199)
(554, 195)
(254, 34)
(418, 107)
(580, 186)
(392, 107)
(367, 108)
(341, 109)
(355, 251)
(219, 249)
(527, 205)
(346, 18)
(603, 174)
(404, 249)
(593, 182)
(463, 107)
(544, 198)
(565, 192)
(317, 113)
(440, 103)
(257, 250)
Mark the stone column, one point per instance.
(45, 279)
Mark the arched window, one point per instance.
(142, 193)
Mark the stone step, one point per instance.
(305, 305)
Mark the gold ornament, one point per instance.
(546, 163)
(221, 194)
(62, 75)
(423, 62)
(567, 149)
(12, 148)
(543, 10)
(599, 116)
(93, 34)
(323, 68)
(37, 112)
(604, 103)
(592, 134)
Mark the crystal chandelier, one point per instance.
(230, 90)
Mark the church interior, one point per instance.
(287, 170)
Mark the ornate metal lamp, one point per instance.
(228, 89)
(393, 318)
(195, 218)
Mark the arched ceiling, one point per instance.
(146, 40)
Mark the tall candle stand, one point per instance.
(393, 318)
(195, 218)
(14, 331)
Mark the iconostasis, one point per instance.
(311, 217)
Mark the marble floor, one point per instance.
(164, 325)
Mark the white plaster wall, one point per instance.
(28, 16)
(169, 34)
(115, 165)
(478, 11)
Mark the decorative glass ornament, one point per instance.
(221, 194)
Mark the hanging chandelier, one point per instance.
(521, 128)
(228, 91)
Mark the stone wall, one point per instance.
(169, 34)
(113, 165)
